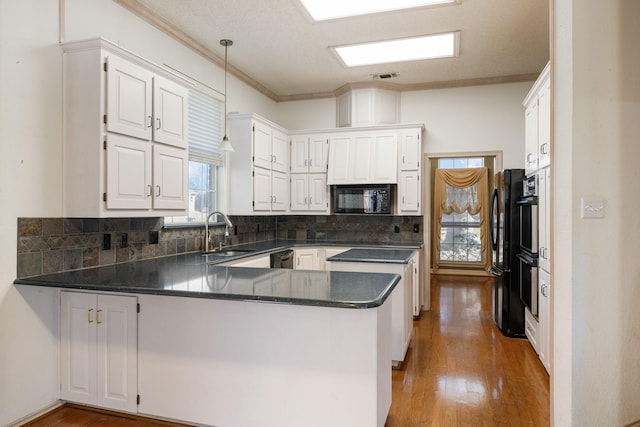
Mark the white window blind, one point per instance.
(205, 128)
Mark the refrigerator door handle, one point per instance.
(493, 228)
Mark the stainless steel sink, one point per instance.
(227, 252)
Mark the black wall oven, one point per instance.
(529, 281)
(528, 254)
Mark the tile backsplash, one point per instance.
(50, 245)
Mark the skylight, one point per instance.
(321, 10)
(400, 50)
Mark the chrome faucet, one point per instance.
(207, 237)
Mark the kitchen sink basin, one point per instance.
(227, 252)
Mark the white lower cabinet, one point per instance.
(306, 259)
(544, 318)
(98, 350)
(401, 301)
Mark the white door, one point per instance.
(299, 192)
(261, 145)
(169, 113)
(318, 154)
(170, 175)
(129, 94)
(279, 151)
(279, 191)
(261, 189)
(318, 192)
(299, 154)
(384, 159)
(410, 150)
(117, 326)
(306, 259)
(339, 153)
(128, 173)
(78, 347)
(544, 318)
(360, 160)
(409, 192)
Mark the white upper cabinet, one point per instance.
(129, 95)
(363, 158)
(309, 153)
(368, 107)
(538, 124)
(259, 166)
(410, 150)
(125, 134)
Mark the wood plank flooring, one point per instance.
(460, 371)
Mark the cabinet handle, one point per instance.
(149, 121)
(158, 123)
(529, 156)
(98, 320)
(274, 159)
(544, 290)
(306, 162)
(157, 191)
(543, 148)
(150, 190)
(310, 162)
(309, 200)
(89, 319)
(305, 200)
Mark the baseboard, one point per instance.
(37, 414)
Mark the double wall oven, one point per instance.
(528, 254)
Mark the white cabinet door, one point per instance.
(544, 219)
(262, 189)
(318, 153)
(78, 347)
(299, 192)
(279, 151)
(129, 94)
(98, 350)
(409, 192)
(339, 158)
(384, 163)
(170, 175)
(544, 125)
(279, 191)
(116, 322)
(417, 305)
(531, 137)
(170, 119)
(360, 159)
(544, 319)
(318, 192)
(300, 154)
(306, 259)
(410, 150)
(261, 145)
(128, 173)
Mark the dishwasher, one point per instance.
(282, 259)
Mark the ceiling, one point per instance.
(282, 53)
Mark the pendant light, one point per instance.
(226, 145)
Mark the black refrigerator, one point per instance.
(508, 309)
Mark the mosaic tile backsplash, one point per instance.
(50, 245)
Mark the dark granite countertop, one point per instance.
(188, 276)
(390, 256)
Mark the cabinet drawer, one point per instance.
(531, 329)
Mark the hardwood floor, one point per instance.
(460, 371)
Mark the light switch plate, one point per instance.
(592, 207)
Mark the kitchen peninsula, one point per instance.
(233, 346)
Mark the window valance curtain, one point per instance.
(452, 194)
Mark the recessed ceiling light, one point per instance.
(331, 9)
(400, 50)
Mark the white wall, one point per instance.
(596, 286)
(31, 164)
(478, 118)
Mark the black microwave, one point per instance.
(362, 199)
